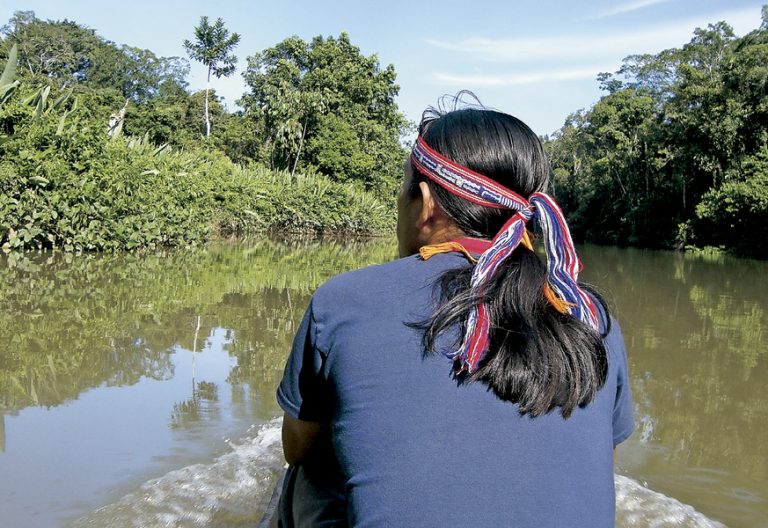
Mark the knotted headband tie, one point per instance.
(563, 265)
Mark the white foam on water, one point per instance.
(640, 507)
(234, 490)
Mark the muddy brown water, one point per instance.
(140, 388)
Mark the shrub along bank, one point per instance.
(66, 183)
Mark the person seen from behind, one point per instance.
(473, 381)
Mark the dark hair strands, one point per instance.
(538, 357)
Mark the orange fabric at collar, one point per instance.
(468, 246)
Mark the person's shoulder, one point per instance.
(614, 336)
(395, 281)
(367, 281)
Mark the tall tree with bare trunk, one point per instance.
(213, 47)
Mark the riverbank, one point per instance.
(66, 183)
(127, 194)
(72, 178)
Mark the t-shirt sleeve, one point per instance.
(304, 390)
(623, 415)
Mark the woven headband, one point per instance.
(563, 265)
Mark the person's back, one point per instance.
(517, 430)
(421, 450)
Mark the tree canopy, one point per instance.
(99, 153)
(64, 53)
(323, 105)
(674, 153)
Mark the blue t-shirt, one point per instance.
(418, 449)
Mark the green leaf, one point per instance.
(62, 99)
(60, 128)
(39, 181)
(9, 72)
(6, 90)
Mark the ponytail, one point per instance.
(538, 357)
(483, 167)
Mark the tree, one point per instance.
(57, 51)
(734, 215)
(213, 47)
(138, 73)
(328, 107)
(64, 54)
(675, 152)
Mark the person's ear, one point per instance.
(428, 207)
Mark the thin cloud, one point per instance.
(626, 8)
(518, 79)
(644, 40)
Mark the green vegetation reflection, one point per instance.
(696, 329)
(71, 323)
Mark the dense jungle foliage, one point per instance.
(675, 154)
(102, 147)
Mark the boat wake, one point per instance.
(638, 506)
(235, 489)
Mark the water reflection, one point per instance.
(696, 329)
(202, 406)
(73, 323)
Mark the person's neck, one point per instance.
(444, 233)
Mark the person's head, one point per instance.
(529, 329)
(496, 145)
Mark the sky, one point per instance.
(536, 60)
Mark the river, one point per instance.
(138, 389)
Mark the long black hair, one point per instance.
(538, 357)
